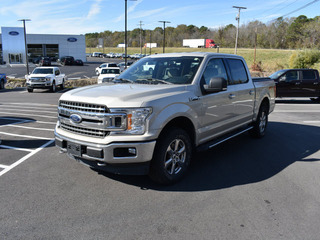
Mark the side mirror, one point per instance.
(282, 79)
(216, 84)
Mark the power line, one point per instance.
(304, 6)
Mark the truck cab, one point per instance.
(297, 83)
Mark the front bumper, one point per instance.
(130, 158)
(39, 85)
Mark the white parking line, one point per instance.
(24, 114)
(9, 118)
(296, 111)
(26, 110)
(41, 129)
(15, 148)
(24, 136)
(311, 121)
(34, 107)
(34, 104)
(3, 166)
(8, 168)
(54, 123)
(26, 121)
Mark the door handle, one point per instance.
(297, 83)
(231, 96)
(251, 92)
(315, 83)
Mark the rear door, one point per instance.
(309, 86)
(243, 91)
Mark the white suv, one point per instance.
(108, 74)
(104, 65)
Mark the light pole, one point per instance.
(237, 18)
(25, 41)
(125, 33)
(164, 33)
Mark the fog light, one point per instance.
(132, 151)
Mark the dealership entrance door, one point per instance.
(15, 58)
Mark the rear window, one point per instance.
(238, 71)
(308, 75)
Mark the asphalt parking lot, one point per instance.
(242, 189)
(72, 72)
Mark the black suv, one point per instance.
(67, 60)
(45, 61)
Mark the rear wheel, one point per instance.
(1, 84)
(53, 87)
(171, 157)
(62, 85)
(260, 125)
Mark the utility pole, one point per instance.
(164, 33)
(140, 24)
(125, 34)
(25, 42)
(238, 19)
(150, 42)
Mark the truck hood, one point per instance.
(126, 95)
(39, 75)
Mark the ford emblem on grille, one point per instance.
(76, 118)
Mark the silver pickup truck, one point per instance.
(154, 116)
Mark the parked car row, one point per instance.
(69, 60)
(117, 55)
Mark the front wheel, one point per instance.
(171, 157)
(260, 125)
(316, 99)
(1, 84)
(30, 89)
(62, 85)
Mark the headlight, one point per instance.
(48, 79)
(136, 120)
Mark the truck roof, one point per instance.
(193, 54)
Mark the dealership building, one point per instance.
(13, 51)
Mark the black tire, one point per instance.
(1, 84)
(171, 157)
(260, 125)
(30, 89)
(53, 87)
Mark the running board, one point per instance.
(227, 137)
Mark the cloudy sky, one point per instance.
(83, 16)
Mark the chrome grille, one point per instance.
(84, 131)
(84, 107)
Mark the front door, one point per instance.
(15, 58)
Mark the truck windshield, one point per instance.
(110, 71)
(43, 71)
(276, 74)
(162, 70)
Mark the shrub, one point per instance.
(304, 59)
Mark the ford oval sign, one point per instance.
(72, 39)
(13, 33)
(76, 118)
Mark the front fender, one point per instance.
(164, 115)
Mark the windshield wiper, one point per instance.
(121, 80)
(154, 80)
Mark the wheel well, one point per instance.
(183, 123)
(265, 102)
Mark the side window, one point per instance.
(238, 71)
(292, 76)
(57, 72)
(308, 75)
(215, 68)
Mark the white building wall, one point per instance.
(67, 47)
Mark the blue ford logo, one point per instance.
(72, 39)
(76, 118)
(13, 33)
